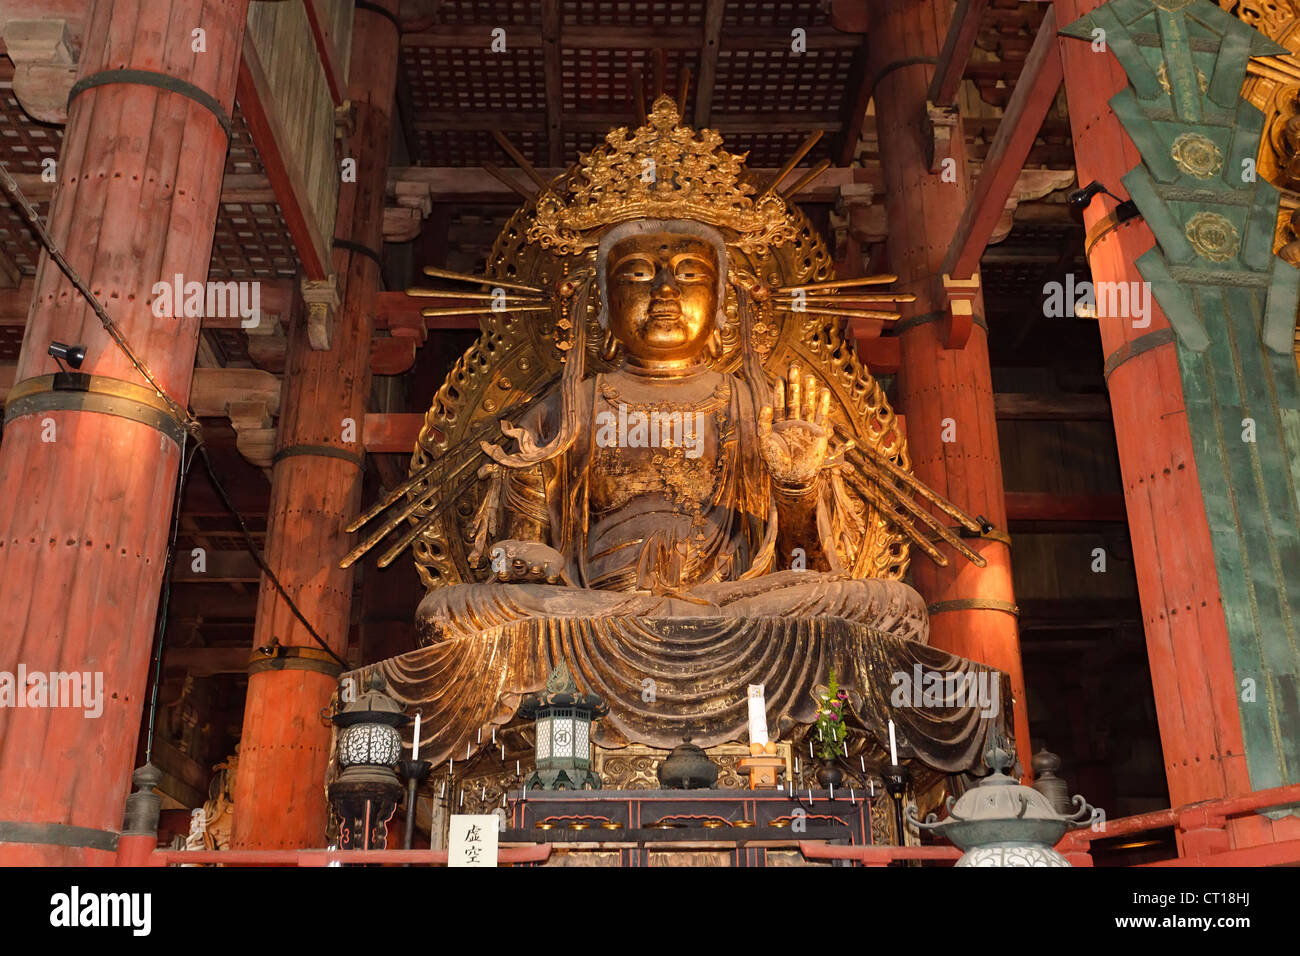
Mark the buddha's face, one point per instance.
(663, 296)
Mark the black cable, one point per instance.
(252, 548)
(165, 598)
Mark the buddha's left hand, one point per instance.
(792, 439)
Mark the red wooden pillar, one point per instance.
(1192, 674)
(316, 490)
(945, 393)
(87, 495)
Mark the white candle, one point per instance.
(846, 748)
(415, 738)
(516, 768)
(442, 791)
(480, 736)
(832, 791)
(893, 745)
(494, 733)
(462, 796)
(468, 745)
(873, 789)
(757, 715)
(852, 799)
(810, 797)
(863, 762)
(503, 753)
(483, 793)
(811, 755)
(796, 766)
(451, 766)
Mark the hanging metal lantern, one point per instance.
(369, 745)
(1003, 823)
(563, 720)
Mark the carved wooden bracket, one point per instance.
(1031, 184)
(322, 299)
(250, 398)
(960, 295)
(44, 68)
(942, 120)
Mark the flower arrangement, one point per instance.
(834, 703)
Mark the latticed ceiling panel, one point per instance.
(23, 141)
(776, 13)
(11, 341)
(242, 158)
(600, 81)
(252, 242)
(475, 147)
(633, 13)
(476, 78)
(773, 149)
(494, 12)
(17, 241)
(762, 81)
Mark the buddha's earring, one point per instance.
(715, 344)
(609, 348)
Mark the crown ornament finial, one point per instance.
(662, 170)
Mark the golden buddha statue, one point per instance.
(676, 490)
(662, 461)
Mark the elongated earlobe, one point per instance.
(609, 348)
(715, 344)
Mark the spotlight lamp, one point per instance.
(1079, 200)
(74, 355)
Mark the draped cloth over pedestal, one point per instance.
(663, 678)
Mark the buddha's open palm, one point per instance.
(792, 432)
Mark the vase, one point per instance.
(829, 775)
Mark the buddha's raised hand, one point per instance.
(792, 431)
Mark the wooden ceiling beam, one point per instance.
(707, 68)
(578, 37)
(1063, 407)
(207, 661)
(235, 188)
(525, 121)
(554, 78)
(1034, 94)
(472, 184)
(1058, 506)
(956, 52)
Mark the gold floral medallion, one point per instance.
(1196, 155)
(1212, 236)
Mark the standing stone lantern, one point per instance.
(366, 792)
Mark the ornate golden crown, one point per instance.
(663, 170)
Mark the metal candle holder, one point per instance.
(896, 778)
(414, 771)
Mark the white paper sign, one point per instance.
(472, 840)
(757, 715)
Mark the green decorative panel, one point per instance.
(1232, 305)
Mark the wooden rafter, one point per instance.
(269, 137)
(956, 51)
(552, 68)
(327, 50)
(1034, 93)
(708, 62)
